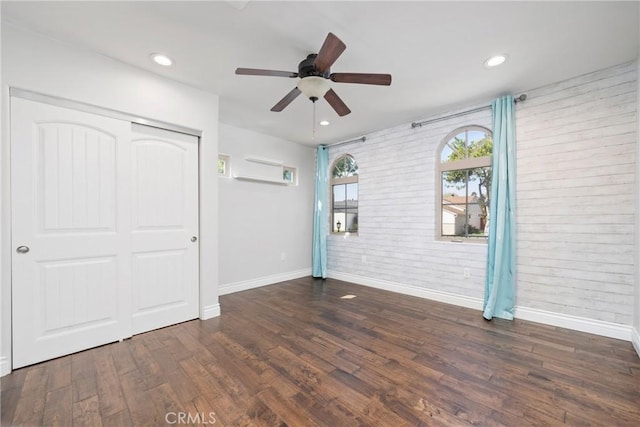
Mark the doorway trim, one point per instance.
(107, 112)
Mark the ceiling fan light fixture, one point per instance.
(314, 87)
(496, 60)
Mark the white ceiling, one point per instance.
(434, 50)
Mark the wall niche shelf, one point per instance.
(270, 171)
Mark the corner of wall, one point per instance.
(635, 340)
(210, 311)
(244, 285)
(576, 323)
(5, 367)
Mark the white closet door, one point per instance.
(164, 228)
(71, 197)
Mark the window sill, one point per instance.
(344, 234)
(474, 242)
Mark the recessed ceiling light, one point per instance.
(324, 123)
(161, 59)
(496, 60)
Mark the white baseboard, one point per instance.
(583, 324)
(210, 311)
(244, 285)
(446, 297)
(5, 368)
(635, 340)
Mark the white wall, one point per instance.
(39, 64)
(576, 208)
(261, 221)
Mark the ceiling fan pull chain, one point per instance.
(313, 136)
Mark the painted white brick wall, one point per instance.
(576, 196)
(576, 202)
(397, 208)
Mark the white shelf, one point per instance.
(260, 179)
(264, 161)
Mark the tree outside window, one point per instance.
(466, 174)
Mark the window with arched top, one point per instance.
(344, 195)
(464, 176)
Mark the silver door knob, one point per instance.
(194, 239)
(22, 249)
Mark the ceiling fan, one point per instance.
(315, 77)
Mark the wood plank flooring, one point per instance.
(296, 354)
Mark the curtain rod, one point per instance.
(520, 98)
(361, 139)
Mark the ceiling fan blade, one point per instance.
(288, 98)
(259, 72)
(334, 100)
(331, 49)
(362, 78)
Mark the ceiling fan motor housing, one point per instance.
(306, 68)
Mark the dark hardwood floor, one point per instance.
(297, 354)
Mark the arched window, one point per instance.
(464, 173)
(344, 195)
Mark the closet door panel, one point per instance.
(70, 230)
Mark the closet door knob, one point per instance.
(194, 239)
(22, 249)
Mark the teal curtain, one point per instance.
(320, 209)
(499, 293)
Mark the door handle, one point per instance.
(22, 249)
(194, 239)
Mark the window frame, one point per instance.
(294, 175)
(463, 164)
(342, 181)
(227, 165)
